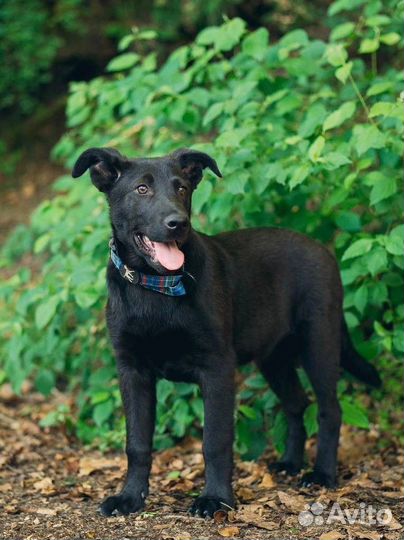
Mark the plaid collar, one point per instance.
(170, 285)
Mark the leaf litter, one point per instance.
(51, 486)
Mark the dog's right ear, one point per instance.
(105, 164)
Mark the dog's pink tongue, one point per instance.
(168, 255)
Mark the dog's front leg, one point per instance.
(139, 399)
(217, 386)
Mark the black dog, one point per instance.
(189, 307)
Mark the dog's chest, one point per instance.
(171, 354)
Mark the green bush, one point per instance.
(31, 34)
(306, 133)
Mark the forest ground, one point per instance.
(51, 486)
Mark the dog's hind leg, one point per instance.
(280, 372)
(321, 361)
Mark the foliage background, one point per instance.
(306, 128)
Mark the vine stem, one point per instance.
(361, 99)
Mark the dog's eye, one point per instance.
(142, 189)
(182, 190)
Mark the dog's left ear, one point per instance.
(105, 164)
(193, 162)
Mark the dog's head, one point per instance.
(149, 199)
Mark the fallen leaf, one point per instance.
(220, 517)
(45, 511)
(245, 494)
(5, 487)
(393, 524)
(229, 532)
(331, 535)
(90, 464)
(294, 503)
(182, 536)
(252, 515)
(267, 481)
(45, 486)
(368, 535)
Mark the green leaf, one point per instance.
(377, 20)
(344, 5)
(342, 31)
(361, 298)
(229, 34)
(45, 311)
(336, 54)
(279, 432)
(339, 116)
(248, 412)
(354, 415)
(369, 45)
(334, 160)
(213, 112)
(376, 261)
(208, 36)
(366, 137)
(125, 42)
(201, 195)
(387, 109)
(256, 44)
(343, 72)
(348, 221)
(314, 118)
(379, 88)
(102, 412)
(390, 39)
(123, 61)
(395, 241)
(45, 382)
(316, 148)
(310, 419)
(236, 182)
(382, 189)
(299, 175)
(86, 296)
(41, 242)
(358, 248)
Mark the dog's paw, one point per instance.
(204, 506)
(317, 478)
(284, 466)
(121, 504)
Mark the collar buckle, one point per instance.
(130, 275)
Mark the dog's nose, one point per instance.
(176, 222)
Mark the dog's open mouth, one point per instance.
(166, 253)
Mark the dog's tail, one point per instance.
(353, 362)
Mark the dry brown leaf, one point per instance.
(89, 464)
(294, 503)
(229, 532)
(267, 481)
(394, 525)
(231, 516)
(45, 511)
(252, 515)
(245, 494)
(45, 486)
(5, 487)
(220, 516)
(332, 535)
(367, 535)
(182, 536)
(395, 495)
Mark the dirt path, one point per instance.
(50, 488)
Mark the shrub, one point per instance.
(306, 133)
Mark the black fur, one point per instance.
(266, 295)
